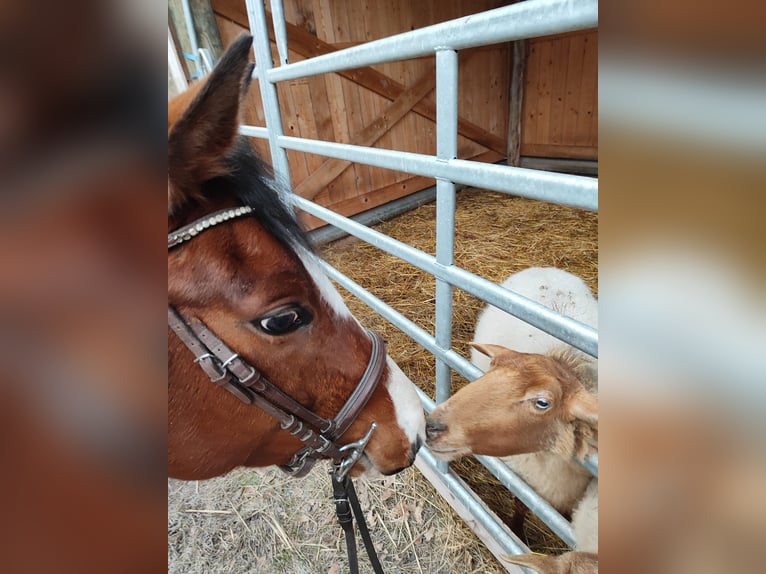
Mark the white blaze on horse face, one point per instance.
(326, 288)
(407, 406)
(409, 412)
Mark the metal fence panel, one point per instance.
(521, 20)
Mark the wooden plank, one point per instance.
(307, 45)
(176, 71)
(181, 36)
(376, 197)
(207, 29)
(332, 168)
(516, 99)
(587, 123)
(574, 71)
(543, 95)
(560, 101)
(292, 127)
(528, 111)
(558, 73)
(347, 28)
(559, 151)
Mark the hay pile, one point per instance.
(495, 236)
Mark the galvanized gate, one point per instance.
(518, 21)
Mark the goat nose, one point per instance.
(434, 429)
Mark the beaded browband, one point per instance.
(186, 232)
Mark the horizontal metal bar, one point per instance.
(500, 534)
(521, 20)
(564, 328)
(412, 330)
(254, 131)
(564, 189)
(384, 212)
(542, 509)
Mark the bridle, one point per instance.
(228, 370)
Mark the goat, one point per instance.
(536, 405)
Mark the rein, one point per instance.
(226, 369)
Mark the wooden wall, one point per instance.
(392, 105)
(560, 102)
(389, 106)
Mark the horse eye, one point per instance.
(542, 404)
(284, 320)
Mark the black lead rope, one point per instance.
(346, 503)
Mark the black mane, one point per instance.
(251, 181)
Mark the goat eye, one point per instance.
(542, 404)
(284, 320)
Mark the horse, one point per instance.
(247, 296)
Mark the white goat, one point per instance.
(558, 479)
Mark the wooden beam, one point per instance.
(309, 46)
(176, 70)
(515, 100)
(375, 197)
(207, 28)
(560, 151)
(180, 35)
(332, 168)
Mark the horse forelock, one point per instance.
(253, 184)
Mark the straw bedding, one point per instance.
(495, 236)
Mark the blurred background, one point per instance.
(682, 98)
(82, 286)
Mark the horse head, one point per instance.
(255, 282)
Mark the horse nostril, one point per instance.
(434, 429)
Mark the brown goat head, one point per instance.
(524, 403)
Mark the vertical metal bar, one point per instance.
(446, 149)
(256, 14)
(280, 29)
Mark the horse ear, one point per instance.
(495, 352)
(207, 127)
(584, 406)
(538, 562)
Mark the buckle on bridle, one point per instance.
(218, 372)
(355, 451)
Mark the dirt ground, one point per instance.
(262, 521)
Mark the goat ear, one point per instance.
(584, 406)
(495, 352)
(538, 562)
(207, 128)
